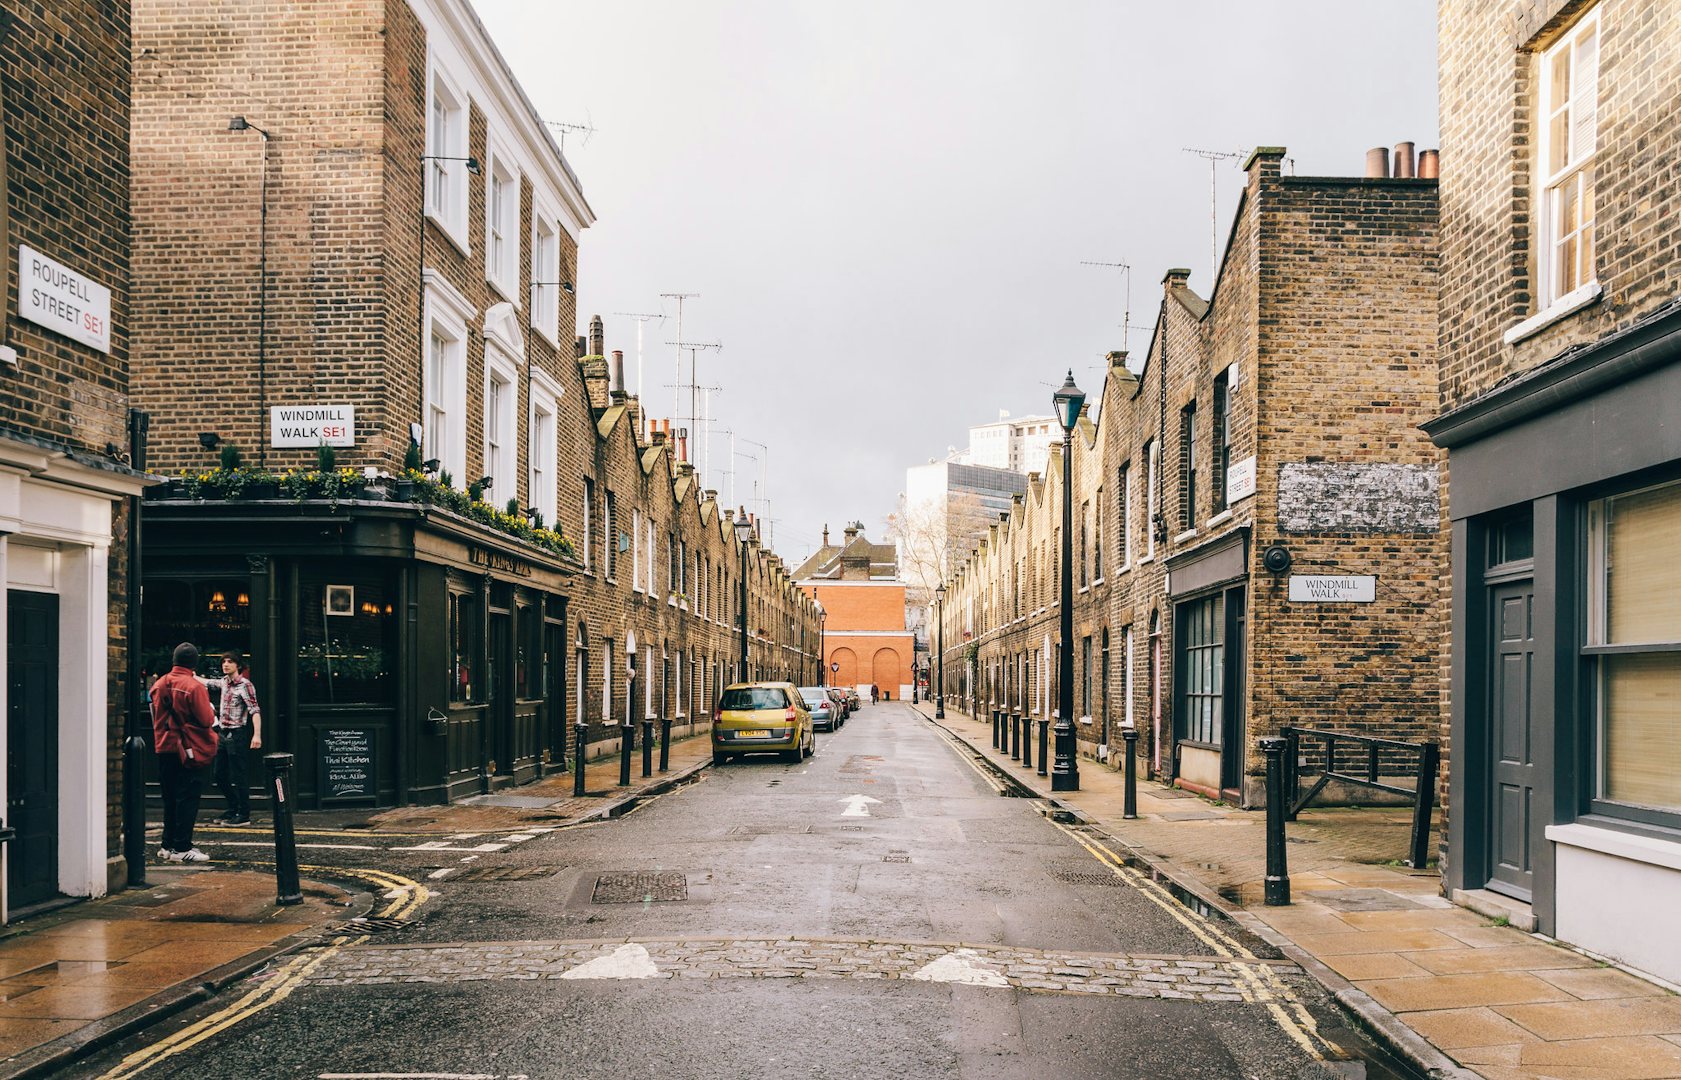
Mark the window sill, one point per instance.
(1568, 304)
(1623, 845)
(456, 236)
(1188, 534)
(1218, 519)
(1146, 559)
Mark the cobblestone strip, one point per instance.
(1190, 977)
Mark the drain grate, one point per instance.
(377, 924)
(852, 828)
(769, 830)
(896, 855)
(637, 886)
(1088, 877)
(505, 873)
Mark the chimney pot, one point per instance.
(618, 364)
(598, 336)
(1377, 163)
(1429, 164)
(1404, 161)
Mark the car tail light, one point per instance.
(791, 716)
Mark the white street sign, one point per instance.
(312, 425)
(1240, 480)
(1331, 589)
(52, 295)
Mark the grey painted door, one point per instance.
(1513, 801)
(32, 747)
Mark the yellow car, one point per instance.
(762, 717)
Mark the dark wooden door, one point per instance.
(1511, 818)
(499, 692)
(32, 747)
(1233, 748)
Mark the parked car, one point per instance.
(838, 696)
(825, 714)
(853, 701)
(760, 718)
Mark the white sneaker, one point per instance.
(167, 855)
(190, 855)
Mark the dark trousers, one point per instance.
(230, 771)
(181, 788)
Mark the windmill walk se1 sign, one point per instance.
(1333, 588)
(312, 425)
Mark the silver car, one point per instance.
(822, 709)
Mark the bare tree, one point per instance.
(932, 539)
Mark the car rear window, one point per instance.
(754, 697)
(815, 699)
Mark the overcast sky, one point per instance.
(884, 204)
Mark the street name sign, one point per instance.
(1333, 589)
(312, 425)
(52, 295)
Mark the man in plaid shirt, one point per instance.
(240, 722)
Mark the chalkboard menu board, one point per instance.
(347, 763)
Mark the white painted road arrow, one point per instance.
(858, 805)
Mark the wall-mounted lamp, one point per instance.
(486, 483)
(209, 440)
(431, 466)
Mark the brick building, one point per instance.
(1280, 412)
(353, 228)
(865, 640)
(1561, 382)
(65, 487)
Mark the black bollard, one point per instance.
(280, 792)
(583, 730)
(665, 745)
(1044, 746)
(997, 726)
(647, 748)
(1278, 873)
(134, 808)
(1129, 804)
(627, 739)
(1013, 737)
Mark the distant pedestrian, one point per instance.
(875, 694)
(239, 722)
(184, 736)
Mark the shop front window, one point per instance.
(214, 614)
(528, 654)
(463, 646)
(1200, 669)
(1635, 640)
(347, 638)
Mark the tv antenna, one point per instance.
(694, 347)
(1212, 157)
(677, 379)
(1126, 274)
(584, 129)
(640, 317)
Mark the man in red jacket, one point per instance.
(185, 744)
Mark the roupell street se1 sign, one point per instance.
(1333, 589)
(52, 295)
(312, 425)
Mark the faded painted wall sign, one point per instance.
(1336, 496)
(1333, 588)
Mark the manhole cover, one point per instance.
(635, 886)
(1088, 877)
(895, 858)
(505, 873)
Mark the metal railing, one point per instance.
(1369, 756)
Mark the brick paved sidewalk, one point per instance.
(1449, 989)
(97, 970)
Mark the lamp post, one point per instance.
(420, 283)
(1065, 772)
(940, 651)
(239, 123)
(743, 533)
(822, 645)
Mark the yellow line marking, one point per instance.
(288, 977)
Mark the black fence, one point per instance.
(1360, 760)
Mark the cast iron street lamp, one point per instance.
(1065, 773)
(822, 644)
(743, 533)
(239, 123)
(940, 651)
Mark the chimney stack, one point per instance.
(825, 534)
(617, 372)
(1404, 161)
(1429, 164)
(598, 336)
(1377, 163)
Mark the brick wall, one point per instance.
(65, 194)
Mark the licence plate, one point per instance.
(756, 733)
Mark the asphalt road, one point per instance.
(877, 911)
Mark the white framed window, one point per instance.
(588, 552)
(545, 273)
(1634, 643)
(444, 381)
(649, 561)
(636, 549)
(1152, 507)
(501, 431)
(1568, 137)
(502, 226)
(542, 480)
(446, 147)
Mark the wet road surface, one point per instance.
(878, 910)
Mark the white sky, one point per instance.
(884, 204)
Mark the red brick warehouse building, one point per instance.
(865, 638)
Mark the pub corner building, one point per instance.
(67, 490)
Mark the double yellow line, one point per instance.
(409, 895)
(1264, 985)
